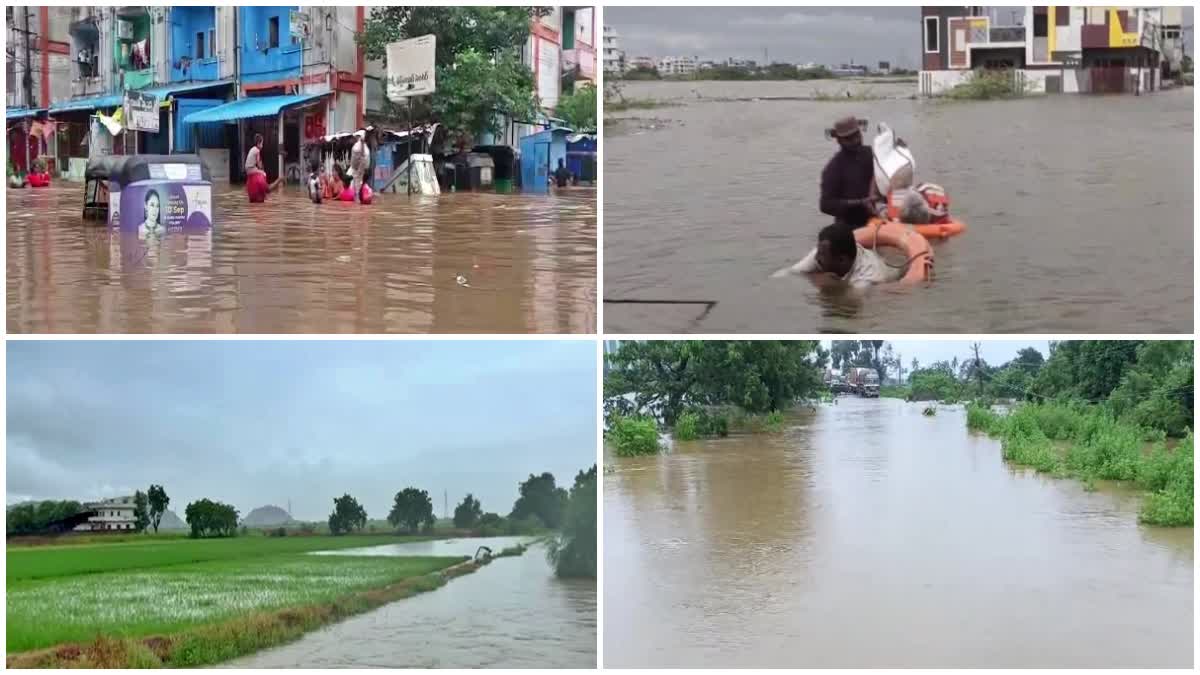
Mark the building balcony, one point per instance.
(1006, 34)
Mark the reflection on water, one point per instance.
(461, 262)
(868, 535)
(512, 613)
(1079, 211)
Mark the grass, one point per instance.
(894, 391)
(756, 423)
(141, 602)
(632, 436)
(43, 562)
(985, 85)
(216, 642)
(1088, 443)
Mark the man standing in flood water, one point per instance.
(848, 182)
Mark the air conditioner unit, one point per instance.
(124, 30)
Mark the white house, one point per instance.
(111, 514)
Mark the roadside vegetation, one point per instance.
(573, 551)
(986, 85)
(705, 389)
(1107, 410)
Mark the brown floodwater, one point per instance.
(512, 613)
(1079, 209)
(868, 535)
(459, 262)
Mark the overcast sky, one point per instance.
(995, 352)
(255, 422)
(825, 35)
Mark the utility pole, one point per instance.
(978, 368)
(445, 503)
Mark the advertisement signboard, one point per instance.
(141, 112)
(411, 67)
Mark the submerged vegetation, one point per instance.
(985, 85)
(573, 552)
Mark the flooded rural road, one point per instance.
(512, 613)
(868, 535)
(1079, 210)
(460, 262)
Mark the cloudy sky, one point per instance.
(255, 422)
(995, 352)
(826, 35)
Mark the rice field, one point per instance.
(79, 593)
(43, 562)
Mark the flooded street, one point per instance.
(512, 613)
(1079, 210)
(868, 535)
(461, 262)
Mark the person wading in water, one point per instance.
(256, 178)
(848, 190)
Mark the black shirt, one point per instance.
(847, 178)
(561, 175)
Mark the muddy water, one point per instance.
(289, 266)
(1079, 208)
(512, 613)
(867, 535)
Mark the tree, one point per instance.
(579, 108)
(412, 509)
(539, 497)
(158, 505)
(479, 72)
(348, 515)
(573, 552)
(662, 377)
(916, 365)
(141, 511)
(468, 513)
(35, 517)
(208, 518)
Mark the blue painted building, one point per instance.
(193, 44)
(268, 52)
(540, 153)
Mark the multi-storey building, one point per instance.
(677, 65)
(112, 514)
(614, 52)
(1054, 49)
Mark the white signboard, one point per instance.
(411, 67)
(298, 25)
(141, 112)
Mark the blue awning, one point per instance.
(245, 108)
(22, 113)
(115, 100)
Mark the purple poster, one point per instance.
(153, 208)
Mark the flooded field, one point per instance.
(1079, 209)
(513, 613)
(461, 262)
(868, 535)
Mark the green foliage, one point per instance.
(936, 383)
(983, 85)
(411, 509)
(541, 498)
(468, 513)
(982, 418)
(701, 423)
(33, 517)
(687, 427)
(159, 501)
(578, 108)
(491, 525)
(573, 552)
(141, 511)
(348, 515)
(641, 73)
(895, 391)
(633, 436)
(211, 519)
(479, 71)
(1170, 477)
(664, 377)
(929, 411)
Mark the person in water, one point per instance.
(256, 178)
(360, 159)
(562, 175)
(152, 220)
(838, 254)
(848, 191)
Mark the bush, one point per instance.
(981, 417)
(687, 427)
(985, 85)
(700, 423)
(277, 532)
(632, 436)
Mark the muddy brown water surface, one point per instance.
(868, 535)
(1079, 209)
(511, 613)
(527, 264)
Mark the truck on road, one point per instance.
(864, 382)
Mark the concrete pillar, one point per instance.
(280, 145)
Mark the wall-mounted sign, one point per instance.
(141, 111)
(411, 67)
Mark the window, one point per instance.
(1062, 16)
(212, 43)
(200, 45)
(932, 38)
(273, 32)
(1039, 25)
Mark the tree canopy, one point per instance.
(662, 377)
(347, 516)
(574, 551)
(159, 501)
(33, 517)
(578, 108)
(541, 498)
(211, 519)
(468, 513)
(411, 510)
(141, 511)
